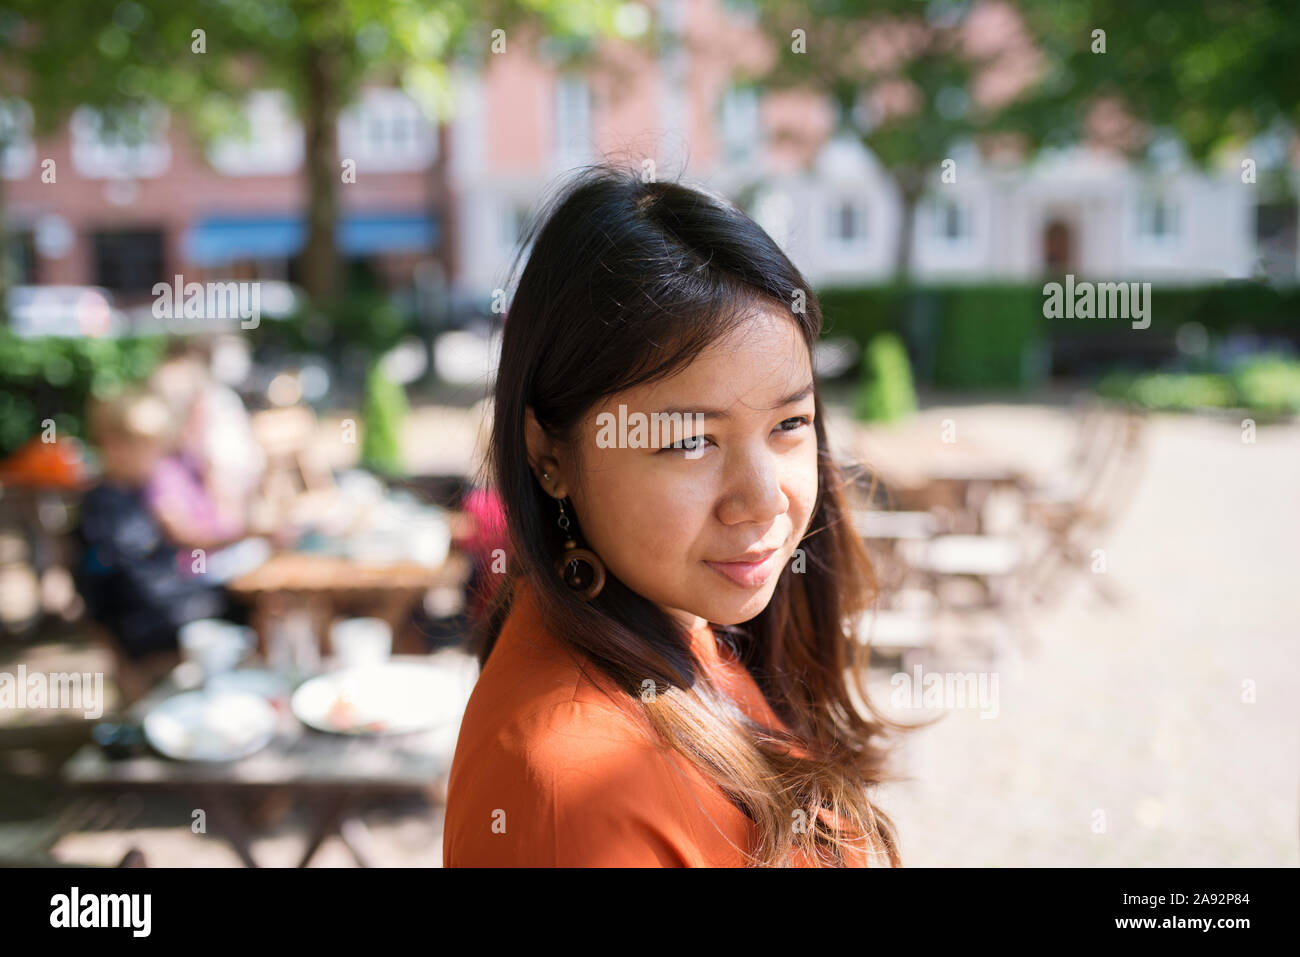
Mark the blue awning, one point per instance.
(216, 240)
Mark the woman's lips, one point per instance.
(747, 574)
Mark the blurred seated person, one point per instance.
(201, 491)
(134, 581)
(215, 445)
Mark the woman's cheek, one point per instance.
(802, 493)
(648, 524)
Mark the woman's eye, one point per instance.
(795, 422)
(693, 443)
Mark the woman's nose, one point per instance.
(755, 493)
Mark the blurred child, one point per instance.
(133, 580)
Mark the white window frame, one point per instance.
(1145, 204)
(511, 221)
(740, 125)
(834, 210)
(571, 130)
(366, 133)
(96, 156)
(274, 145)
(19, 155)
(937, 208)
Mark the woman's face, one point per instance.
(707, 528)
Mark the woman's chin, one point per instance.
(725, 609)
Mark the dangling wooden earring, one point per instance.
(579, 568)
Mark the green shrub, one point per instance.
(52, 377)
(885, 393)
(382, 414)
(1269, 384)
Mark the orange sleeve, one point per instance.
(579, 785)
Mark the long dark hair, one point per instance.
(626, 281)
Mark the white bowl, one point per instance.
(210, 725)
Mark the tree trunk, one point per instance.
(910, 197)
(320, 255)
(4, 248)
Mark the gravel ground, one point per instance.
(1127, 739)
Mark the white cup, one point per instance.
(361, 641)
(216, 646)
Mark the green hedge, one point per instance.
(994, 335)
(1226, 307)
(961, 336)
(52, 377)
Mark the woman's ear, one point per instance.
(542, 456)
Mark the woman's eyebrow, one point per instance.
(790, 399)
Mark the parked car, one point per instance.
(64, 311)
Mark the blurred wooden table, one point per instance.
(328, 586)
(922, 473)
(333, 775)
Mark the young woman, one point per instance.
(666, 658)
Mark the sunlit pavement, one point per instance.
(1125, 740)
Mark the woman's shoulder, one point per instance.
(531, 676)
(554, 766)
(560, 776)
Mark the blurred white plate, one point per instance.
(210, 725)
(392, 698)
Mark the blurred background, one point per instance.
(255, 258)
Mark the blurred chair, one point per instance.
(1074, 512)
(995, 568)
(286, 436)
(882, 532)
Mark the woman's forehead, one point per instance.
(761, 364)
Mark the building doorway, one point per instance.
(1059, 247)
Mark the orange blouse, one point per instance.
(556, 767)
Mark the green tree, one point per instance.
(1212, 72)
(902, 75)
(200, 58)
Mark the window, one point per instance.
(951, 221)
(744, 11)
(1157, 219)
(22, 257)
(572, 120)
(16, 150)
(128, 261)
(128, 143)
(740, 124)
(514, 219)
(272, 144)
(387, 132)
(847, 222)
